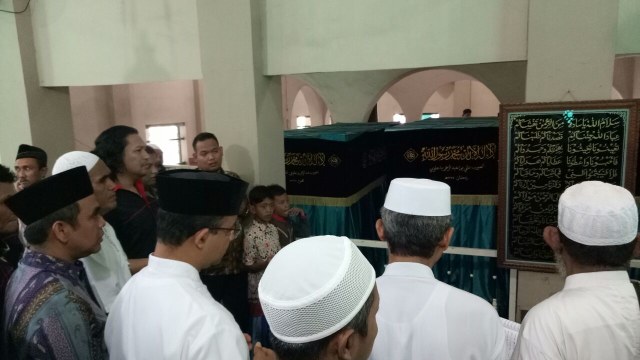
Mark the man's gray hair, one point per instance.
(413, 235)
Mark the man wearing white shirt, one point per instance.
(419, 316)
(165, 311)
(596, 315)
(108, 269)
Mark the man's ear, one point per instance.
(43, 172)
(200, 238)
(61, 231)
(446, 239)
(551, 236)
(345, 343)
(380, 230)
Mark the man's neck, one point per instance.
(573, 269)
(430, 262)
(59, 254)
(127, 181)
(177, 253)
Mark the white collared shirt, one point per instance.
(165, 312)
(595, 316)
(108, 269)
(422, 318)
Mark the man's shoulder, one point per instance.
(232, 174)
(469, 302)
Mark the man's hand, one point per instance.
(263, 353)
(297, 212)
(247, 338)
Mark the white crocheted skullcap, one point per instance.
(313, 287)
(595, 213)
(421, 197)
(74, 159)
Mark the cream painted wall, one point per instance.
(103, 42)
(483, 102)
(48, 110)
(349, 35)
(95, 108)
(441, 101)
(387, 107)
(628, 27)
(92, 112)
(14, 113)
(556, 65)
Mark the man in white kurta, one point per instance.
(419, 316)
(165, 311)
(108, 269)
(596, 315)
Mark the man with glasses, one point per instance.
(164, 311)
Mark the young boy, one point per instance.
(290, 222)
(261, 243)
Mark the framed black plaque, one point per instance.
(547, 147)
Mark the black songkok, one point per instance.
(28, 151)
(195, 192)
(50, 195)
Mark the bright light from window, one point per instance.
(167, 138)
(399, 118)
(435, 116)
(303, 121)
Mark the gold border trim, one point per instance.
(474, 200)
(335, 201)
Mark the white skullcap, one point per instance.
(421, 197)
(313, 287)
(598, 214)
(74, 159)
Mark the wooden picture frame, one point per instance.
(546, 147)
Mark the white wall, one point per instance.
(102, 42)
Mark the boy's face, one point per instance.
(263, 210)
(281, 205)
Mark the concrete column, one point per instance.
(28, 113)
(241, 106)
(571, 58)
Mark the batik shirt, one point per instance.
(51, 313)
(261, 241)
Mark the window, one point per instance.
(169, 138)
(303, 121)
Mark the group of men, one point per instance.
(72, 295)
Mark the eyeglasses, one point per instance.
(233, 232)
